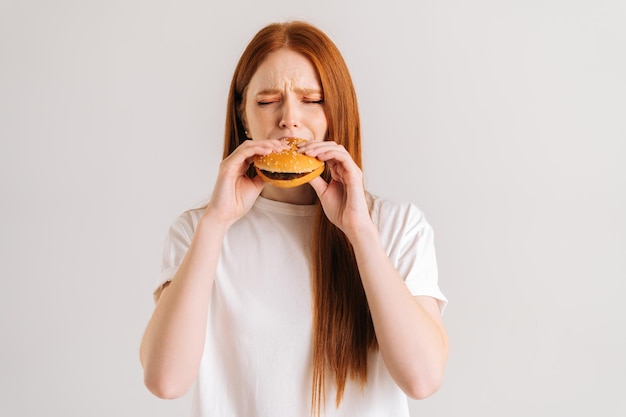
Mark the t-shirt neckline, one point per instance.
(285, 208)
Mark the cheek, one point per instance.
(255, 119)
(321, 123)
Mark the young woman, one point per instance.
(318, 299)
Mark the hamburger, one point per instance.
(288, 168)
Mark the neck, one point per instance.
(302, 195)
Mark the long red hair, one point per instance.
(343, 332)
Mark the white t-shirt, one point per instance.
(258, 352)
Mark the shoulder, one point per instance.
(385, 211)
(186, 223)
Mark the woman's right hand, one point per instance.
(172, 346)
(234, 193)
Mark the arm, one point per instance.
(409, 330)
(173, 342)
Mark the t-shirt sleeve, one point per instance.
(175, 246)
(409, 241)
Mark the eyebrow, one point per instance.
(303, 91)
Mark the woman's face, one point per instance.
(285, 99)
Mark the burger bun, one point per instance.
(288, 168)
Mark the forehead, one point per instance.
(284, 68)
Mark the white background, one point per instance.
(503, 120)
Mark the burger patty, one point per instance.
(283, 175)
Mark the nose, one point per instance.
(290, 116)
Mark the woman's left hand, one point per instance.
(343, 199)
(417, 363)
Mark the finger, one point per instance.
(326, 151)
(251, 148)
(311, 146)
(339, 162)
(244, 155)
